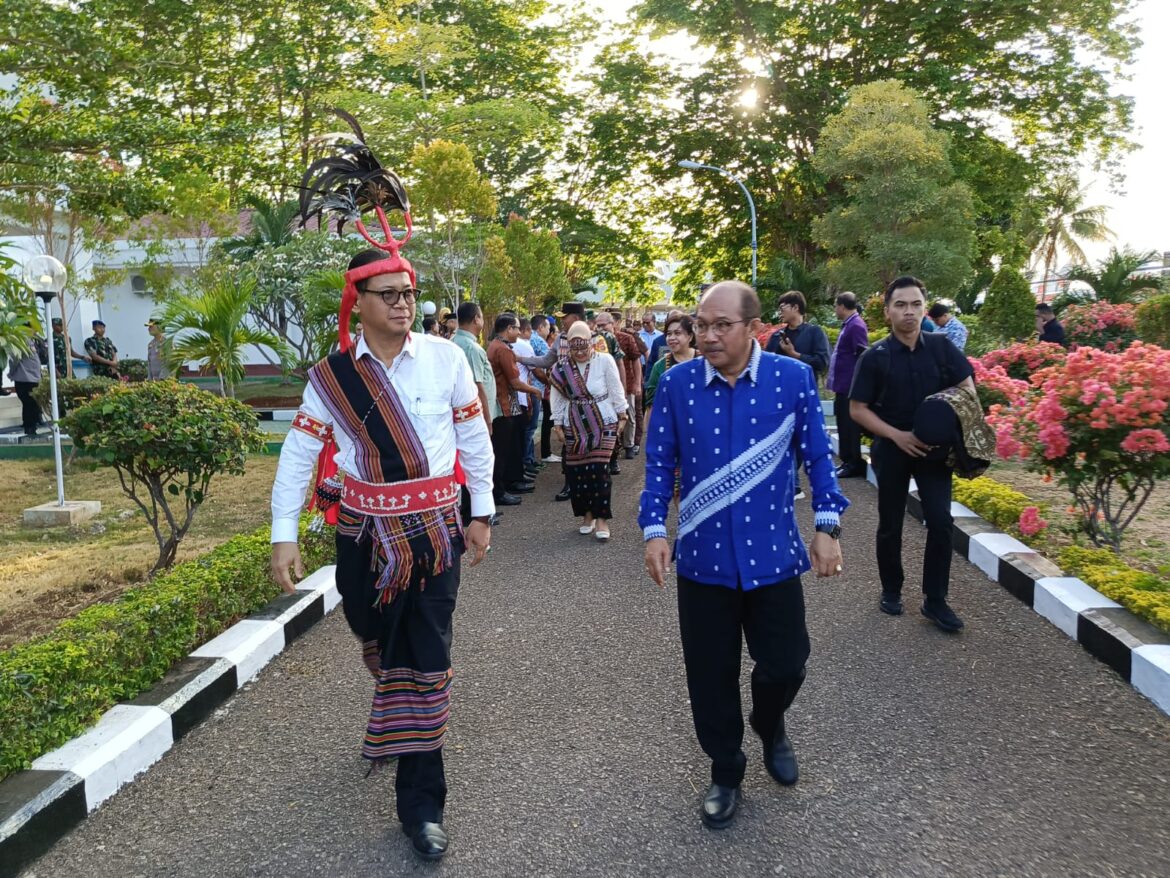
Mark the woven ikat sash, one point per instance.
(386, 449)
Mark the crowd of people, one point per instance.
(724, 423)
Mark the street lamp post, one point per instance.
(46, 276)
(694, 166)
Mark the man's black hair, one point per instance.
(429, 323)
(538, 321)
(794, 297)
(937, 310)
(467, 313)
(1044, 309)
(525, 324)
(906, 280)
(504, 321)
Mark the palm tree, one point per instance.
(208, 327)
(1064, 219)
(272, 226)
(1111, 280)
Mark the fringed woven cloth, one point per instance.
(386, 451)
(410, 709)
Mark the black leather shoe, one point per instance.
(780, 761)
(614, 469)
(564, 494)
(428, 840)
(495, 519)
(631, 453)
(508, 500)
(718, 808)
(943, 616)
(851, 472)
(522, 487)
(891, 604)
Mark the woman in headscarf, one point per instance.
(589, 410)
(683, 346)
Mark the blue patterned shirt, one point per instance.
(734, 449)
(956, 332)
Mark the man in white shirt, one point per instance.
(392, 411)
(522, 347)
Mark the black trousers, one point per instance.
(546, 426)
(415, 631)
(713, 620)
(894, 470)
(508, 445)
(30, 412)
(848, 434)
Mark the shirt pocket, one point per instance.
(429, 406)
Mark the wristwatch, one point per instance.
(833, 530)
(482, 519)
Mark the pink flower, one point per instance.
(1146, 442)
(1030, 522)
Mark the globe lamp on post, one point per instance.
(47, 277)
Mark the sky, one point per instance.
(1138, 209)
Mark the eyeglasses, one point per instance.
(721, 327)
(392, 297)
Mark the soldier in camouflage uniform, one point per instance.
(60, 357)
(101, 353)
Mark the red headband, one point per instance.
(392, 264)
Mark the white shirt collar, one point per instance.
(361, 349)
(752, 369)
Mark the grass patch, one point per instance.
(52, 688)
(50, 575)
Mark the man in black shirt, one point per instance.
(1048, 326)
(893, 378)
(799, 340)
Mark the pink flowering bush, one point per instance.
(1097, 423)
(1030, 523)
(1024, 359)
(1100, 325)
(995, 387)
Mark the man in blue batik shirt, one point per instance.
(729, 423)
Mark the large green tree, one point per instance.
(902, 212)
(1038, 76)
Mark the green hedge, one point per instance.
(1142, 593)
(998, 503)
(54, 687)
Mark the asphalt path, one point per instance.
(1005, 750)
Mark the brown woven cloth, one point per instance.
(971, 441)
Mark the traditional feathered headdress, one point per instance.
(346, 183)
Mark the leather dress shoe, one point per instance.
(851, 472)
(521, 487)
(614, 469)
(943, 616)
(428, 840)
(495, 519)
(508, 500)
(631, 453)
(780, 761)
(718, 808)
(891, 603)
(564, 494)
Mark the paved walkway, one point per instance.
(1006, 750)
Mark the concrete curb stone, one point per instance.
(40, 805)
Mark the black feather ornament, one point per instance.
(348, 180)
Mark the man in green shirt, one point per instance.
(470, 317)
(101, 353)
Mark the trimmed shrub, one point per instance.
(54, 687)
(132, 370)
(1098, 424)
(1153, 321)
(1101, 325)
(72, 392)
(873, 312)
(1010, 309)
(1023, 360)
(1003, 506)
(1143, 594)
(980, 340)
(166, 441)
